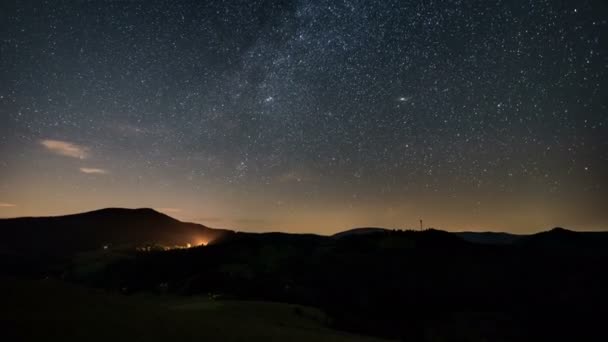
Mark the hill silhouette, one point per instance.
(566, 239)
(65, 235)
(92, 230)
(359, 231)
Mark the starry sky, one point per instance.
(309, 116)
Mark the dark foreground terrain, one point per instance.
(49, 310)
(411, 285)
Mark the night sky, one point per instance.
(309, 116)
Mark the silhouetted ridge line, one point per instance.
(359, 231)
(65, 235)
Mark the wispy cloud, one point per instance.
(91, 170)
(65, 148)
(7, 205)
(169, 210)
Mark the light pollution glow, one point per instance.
(270, 209)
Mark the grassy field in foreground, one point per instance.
(46, 310)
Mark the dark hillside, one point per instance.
(65, 235)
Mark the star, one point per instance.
(380, 99)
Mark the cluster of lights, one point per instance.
(198, 243)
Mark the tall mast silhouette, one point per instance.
(420, 224)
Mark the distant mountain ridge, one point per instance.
(556, 237)
(92, 230)
(474, 237)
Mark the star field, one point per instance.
(309, 116)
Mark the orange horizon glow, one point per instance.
(332, 218)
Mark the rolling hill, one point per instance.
(65, 235)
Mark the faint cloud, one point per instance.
(7, 205)
(94, 171)
(169, 210)
(65, 148)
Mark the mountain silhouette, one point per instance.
(64, 235)
(69, 234)
(563, 238)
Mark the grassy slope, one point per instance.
(51, 310)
